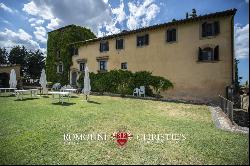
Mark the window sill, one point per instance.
(171, 42)
(207, 61)
(104, 51)
(142, 46)
(209, 37)
(102, 71)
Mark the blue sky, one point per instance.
(27, 22)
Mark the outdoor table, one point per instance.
(5, 90)
(19, 93)
(33, 92)
(61, 95)
(70, 91)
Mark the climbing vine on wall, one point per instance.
(59, 40)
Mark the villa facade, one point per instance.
(196, 54)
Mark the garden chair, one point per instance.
(142, 91)
(136, 91)
(62, 88)
(56, 87)
(69, 87)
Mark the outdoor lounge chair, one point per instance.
(142, 91)
(136, 91)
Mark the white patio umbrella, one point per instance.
(87, 87)
(43, 80)
(12, 80)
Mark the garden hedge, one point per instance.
(124, 82)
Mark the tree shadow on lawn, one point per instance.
(64, 104)
(93, 102)
(74, 97)
(26, 99)
(8, 96)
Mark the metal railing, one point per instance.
(227, 107)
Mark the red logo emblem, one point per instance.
(122, 137)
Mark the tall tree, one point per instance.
(237, 78)
(3, 55)
(18, 55)
(35, 62)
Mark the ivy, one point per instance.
(59, 40)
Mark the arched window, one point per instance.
(209, 54)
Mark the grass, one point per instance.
(31, 132)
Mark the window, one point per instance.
(119, 44)
(58, 53)
(74, 51)
(82, 66)
(60, 68)
(102, 65)
(209, 54)
(124, 66)
(171, 35)
(210, 29)
(142, 40)
(104, 46)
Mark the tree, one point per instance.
(18, 55)
(34, 64)
(3, 56)
(237, 78)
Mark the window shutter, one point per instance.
(116, 45)
(216, 27)
(216, 53)
(137, 38)
(107, 44)
(174, 35)
(121, 44)
(146, 39)
(204, 29)
(168, 35)
(200, 54)
(100, 47)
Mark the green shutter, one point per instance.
(204, 29)
(216, 53)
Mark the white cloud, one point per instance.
(241, 35)
(88, 13)
(6, 8)
(36, 22)
(40, 34)
(43, 11)
(119, 13)
(9, 38)
(141, 14)
(54, 23)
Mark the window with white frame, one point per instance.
(60, 68)
(82, 66)
(102, 65)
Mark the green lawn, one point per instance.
(31, 132)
